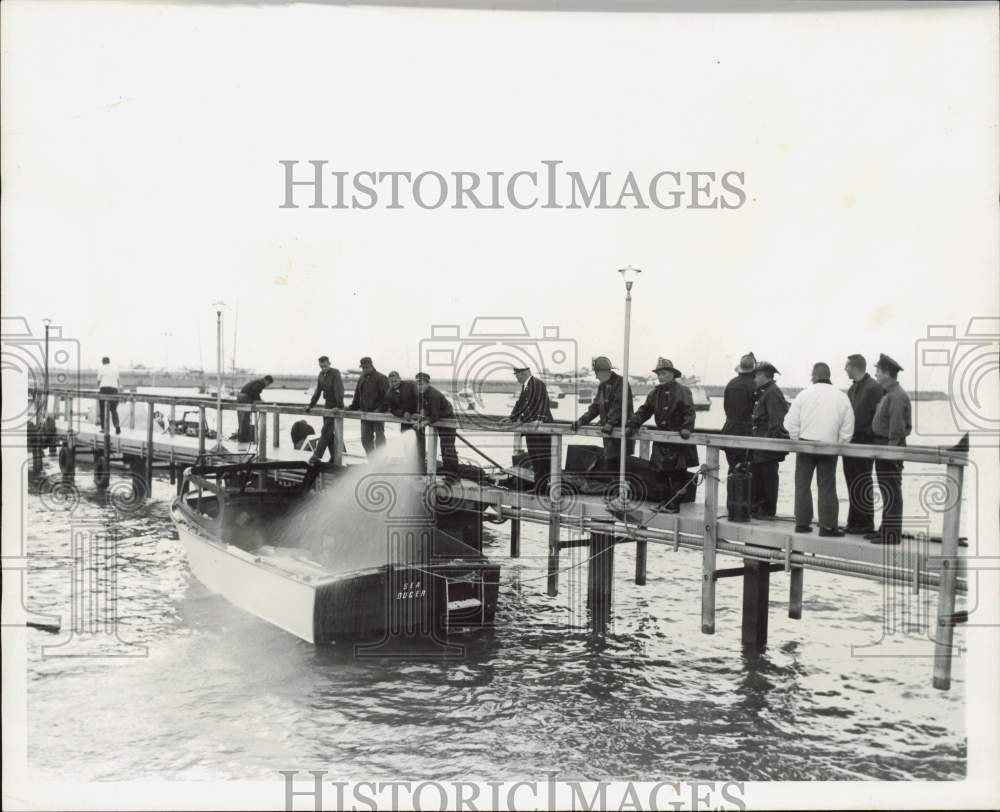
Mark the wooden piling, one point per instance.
(431, 450)
(338, 441)
(640, 562)
(555, 491)
(149, 449)
(276, 439)
(949, 573)
(131, 412)
(262, 437)
(201, 429)
(515, 538)
(756, 593)
(711, 536)
(600, 576)
(795, 593)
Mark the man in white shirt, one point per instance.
(107, 384)
(823, 414)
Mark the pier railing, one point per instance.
(764, 547)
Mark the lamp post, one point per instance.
(46, 387)
(218, 373)
(629, 275)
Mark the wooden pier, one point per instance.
(763, 547)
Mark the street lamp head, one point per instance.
(629, 274)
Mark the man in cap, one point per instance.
(607, 405)
(672, 408)
(822, 414)
(250, 393)
(434, 406)
(533, 407)
(768, 421)
(369, 394)
(330, 385)
(890, 426)
(864, 394)
(737, 402)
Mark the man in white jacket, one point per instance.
(823, 414)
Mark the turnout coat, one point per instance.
(769, 421)
(607, 403)
(672, 409)
(533, 404)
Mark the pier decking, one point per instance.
(764, 546)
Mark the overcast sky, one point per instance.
(141, 179)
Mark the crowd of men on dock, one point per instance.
(873, 411)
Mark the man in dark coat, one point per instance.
(864, 394)
(738, 401)
(369, 393)
(768, 421)
(607, 405)
(250, 393)
(434, 406)
(533, 406)
(401, 400)
(891, 425)
(330, 385)
(672, 408)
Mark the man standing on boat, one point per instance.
(107, 384)
(607, 405)
(369, 393)
(864, 394)
(891, 425)
(823, 414)
(768, 421)
(330, 385)
(434, 406)
(533, 407)
(250, 393)
(672, 408)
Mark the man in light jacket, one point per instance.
(823, 414)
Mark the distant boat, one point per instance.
(585, 394)
(467, 399)
(701, 398)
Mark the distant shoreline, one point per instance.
(131, 378)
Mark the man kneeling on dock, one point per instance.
(672, 408)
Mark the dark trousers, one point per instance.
(764, 488)
(449, 455)
(372, 435)
(890, 485)
(244, 433)
(825, 467)
(860, 493)
(112, 405)
(612, 452)
(327, 437)
(540, 454)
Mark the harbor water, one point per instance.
(194, 688)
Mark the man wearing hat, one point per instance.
(330, 385)
(672, 408)
(434, 406)
(768, 421)
(369, 395)
(401, 401)
(533, 406)
(864, 394)
(890, 426)
(737, 401)
(607, 405)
